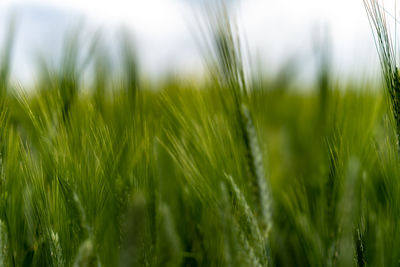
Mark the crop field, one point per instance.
(233, 169)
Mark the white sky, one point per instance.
(275, 30)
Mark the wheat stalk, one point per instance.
(387, 55)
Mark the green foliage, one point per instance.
(181, 173)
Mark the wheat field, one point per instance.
(233, 170)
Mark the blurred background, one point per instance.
(275, 32)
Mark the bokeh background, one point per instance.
(276, 32)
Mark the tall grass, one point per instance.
(122, 172)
